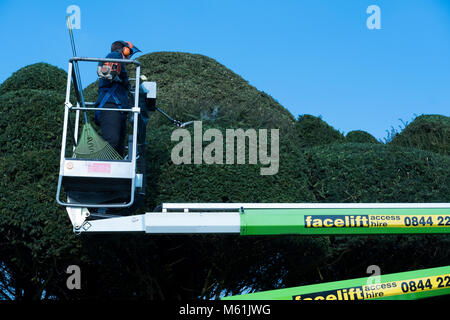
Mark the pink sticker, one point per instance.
(99, 167)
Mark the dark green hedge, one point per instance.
(30, 120)
(37, 242)
(378, 173)
(426, 132)
(359, 136)
(236, 183)
(313, 131)
(196, 87)
(38, 76)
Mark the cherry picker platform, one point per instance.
(92, 184)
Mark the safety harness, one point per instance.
(109, 93)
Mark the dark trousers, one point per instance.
(113, 126)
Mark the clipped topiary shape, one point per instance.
(35, 234)
(359, 136)
(196, 87)
(426, 132)
(38, 76)
(31, 120)
(313, 131)
(355, 172)
(233, 182)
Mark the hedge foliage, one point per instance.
(37, 245)
(354, 172)
(359, 136)
(196, 87)
(31, 120)
(313, 131)
(238, 182)
(426, 132)
(38, 76)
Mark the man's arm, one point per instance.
(123, 70)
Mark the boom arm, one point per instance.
(284, 218)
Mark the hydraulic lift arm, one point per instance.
(281, 219)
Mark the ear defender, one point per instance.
(126, 51)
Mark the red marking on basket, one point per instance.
(99, 167)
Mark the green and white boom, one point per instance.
(277, 219)
(410, 285)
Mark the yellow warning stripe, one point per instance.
(380, 290)
(409, 221)
(371, 291)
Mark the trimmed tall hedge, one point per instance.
(378, 173)
(237, 182)
(37, 242)
(31, 120)
(196, 87)
(38, 76)
(313, 131)
(359, 136)
(426, 132)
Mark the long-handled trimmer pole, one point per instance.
(77, 82)
(175, 122)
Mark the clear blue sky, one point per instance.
(314, 56)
